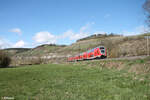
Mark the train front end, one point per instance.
(103, 52)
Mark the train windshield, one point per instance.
(102, 48)
(103, 51)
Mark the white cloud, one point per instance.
(78, 36)
(19, 44)
(138, 30)
(73, 36)
(99, 32)
(16, 30)
(67, 34)
(107, 15)
(83, 32)
(4, 43)
(45, 37)
(127, 33)
(86, 27)
(142, 29)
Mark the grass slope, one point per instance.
(14, 51)
(41, 50)
(71, 82)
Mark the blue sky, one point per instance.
(28, 23)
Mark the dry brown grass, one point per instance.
(140, 68)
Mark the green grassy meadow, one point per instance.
(72, 82)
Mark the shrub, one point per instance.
(4, 59)
(114, 53)
(147, 58)
(36, 61)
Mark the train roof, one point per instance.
(100, 46)
(95, 48)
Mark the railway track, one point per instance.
(125, 58)
(121, 58)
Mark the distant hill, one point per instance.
(14, 51)
(97, 36)
(42, 50)
(117, 46)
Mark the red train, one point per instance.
(98, 52)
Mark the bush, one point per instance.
(147, 58)
(36, 61)
(4, 60)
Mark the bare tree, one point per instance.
(146, 7)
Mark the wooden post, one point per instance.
(147, 37)
(148, 45)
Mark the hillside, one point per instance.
(42, 50)
(14, 51)
(117, 46)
